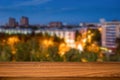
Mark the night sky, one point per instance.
(67, 11)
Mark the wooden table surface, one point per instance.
(59, 70)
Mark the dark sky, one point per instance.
(67, 11)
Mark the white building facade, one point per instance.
(67, 35)
(16, 31)
(110, 31)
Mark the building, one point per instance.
(24, 21)
(67, 35)
(118, 31)
(110, 31)
(12, 22)
(55, 24)
(90, 25)
(16, 31)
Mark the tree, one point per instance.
(5, 53)
(73, 55)
(22, 52)
(77, 35)
(89, 56)
(114, 57)
(57, 39)
(96, 35)
(34, 47)
(53, 54)
(118, 45)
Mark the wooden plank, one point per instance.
(34, 69)
(59, 78)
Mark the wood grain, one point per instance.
(59, 78)
(52, 70)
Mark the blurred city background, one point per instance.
(59, 31)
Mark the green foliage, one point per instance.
(49, 54)
(53, 54)
(40, 54)
(22, 52)
(114, 57)
(31, 48)
(34, 49)
(72, 55)
(89, 56)
(5, 53)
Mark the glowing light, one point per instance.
(63, 48)
(89, 31)
(110, 51)
(100, 29)
(12, 40)
(105, 49)
(72, 45)
(84, 60)
(80, 47)
(13, 51)
(89, 38)
(84, 40)
(93, 48)
(45, 42)
(48, 42)
(69, 41)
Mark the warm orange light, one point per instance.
(84, 60)
(100, 29)
(93, 48)
(84, 40)
(89, 32)
(80, 47)
(48, 43)
(12, 40)
(45, 42)
(63, 48)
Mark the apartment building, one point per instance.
(110, 31)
